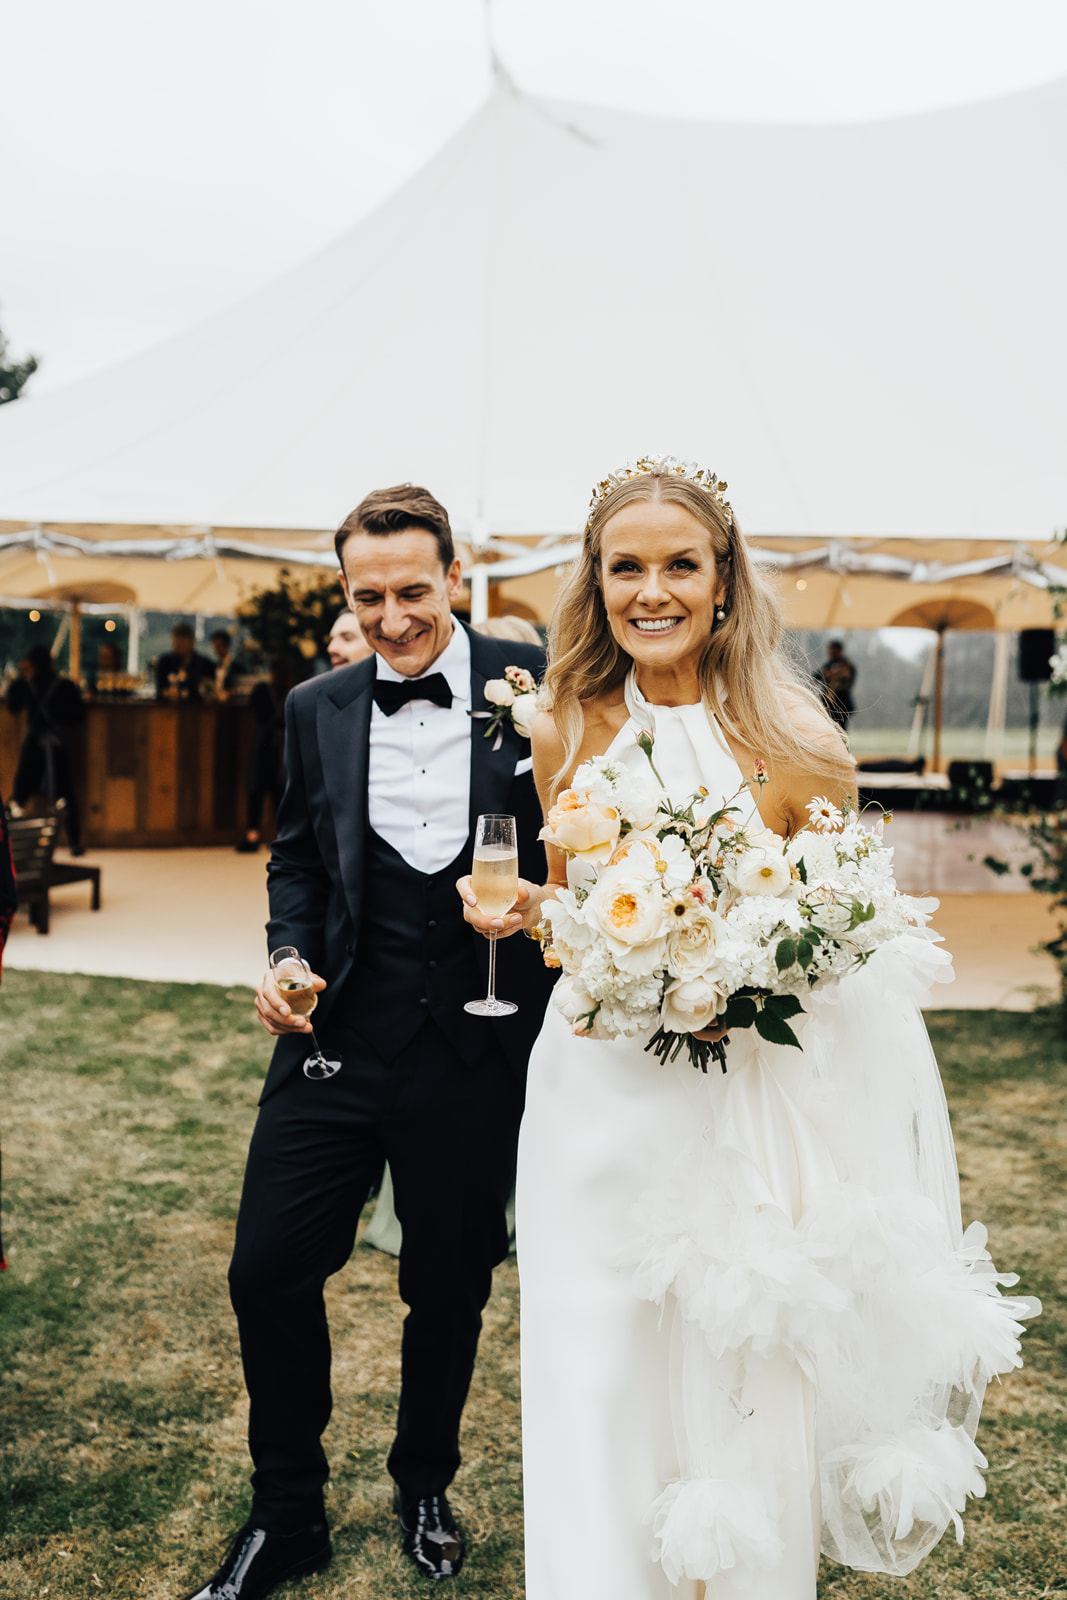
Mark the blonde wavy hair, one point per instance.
(747, 681)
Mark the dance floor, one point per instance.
(197, 916)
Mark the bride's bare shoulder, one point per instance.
(602, 718)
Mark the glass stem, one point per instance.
(315, 1044)
(492, 964)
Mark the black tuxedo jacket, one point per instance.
(316, 871)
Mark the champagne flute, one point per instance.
(292, 976)
(495, 885)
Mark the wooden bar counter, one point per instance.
(151, 773)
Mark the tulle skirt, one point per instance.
(752, 1324)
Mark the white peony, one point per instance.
(762, 871)
(524, 709)
(498, 692)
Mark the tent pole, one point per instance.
(133, 643)
(939, 695)
(921, 703)
(479, 593)
(998, 698)
(75, 642)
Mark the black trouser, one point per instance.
(449, 1132)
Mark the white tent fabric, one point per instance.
(861, 328)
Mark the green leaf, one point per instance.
(740, 1012)
(783, 1005)
(803, 871)
(786, 954)
(805, 952)
(775, 1029)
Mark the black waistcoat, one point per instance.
(415, 957)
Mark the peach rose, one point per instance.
(582, 827)
(627, 908)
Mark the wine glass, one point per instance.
(495, 885)
(293, 978)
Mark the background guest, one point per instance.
(835, 679)
(266, 759)
(516, 628)
(181, 671)
(227, 670)
(346, 644)
(108, 663)
(55, 709)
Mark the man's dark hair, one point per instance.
(220, 633)
(834, 644)
(386, 511)
(183, 630)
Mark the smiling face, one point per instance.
(346, 644)
(401, 595)
(660, 584)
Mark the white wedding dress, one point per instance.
(752, 1325)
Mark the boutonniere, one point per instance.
(514, 700)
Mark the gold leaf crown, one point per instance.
(662, 466)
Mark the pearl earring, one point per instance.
(720, 615)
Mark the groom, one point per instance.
(386, 776)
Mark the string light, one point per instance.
(109, 626)
(35, 616)
(802, 583)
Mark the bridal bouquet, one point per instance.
(695, 914)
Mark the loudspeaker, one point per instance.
(1036, 645)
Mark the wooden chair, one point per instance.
(33, 842)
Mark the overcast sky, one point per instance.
(161, 158)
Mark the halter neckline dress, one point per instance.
(752, 1326)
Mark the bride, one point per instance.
(752, 1325)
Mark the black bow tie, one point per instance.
(389, 696)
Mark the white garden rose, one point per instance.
(691, 947)
(523, 711)
(762, 872)
(690, 1004)
(498, 692)
(626, 908)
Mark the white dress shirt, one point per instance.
(419, 783)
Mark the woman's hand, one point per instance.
(712, 1035)
(272, 1011)
(526, 912)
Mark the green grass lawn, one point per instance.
(127, 1108)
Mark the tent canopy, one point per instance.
(860, 327)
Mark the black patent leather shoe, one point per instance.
(257, 1562)
(431, 1537)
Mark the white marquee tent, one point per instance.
(861, 327)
